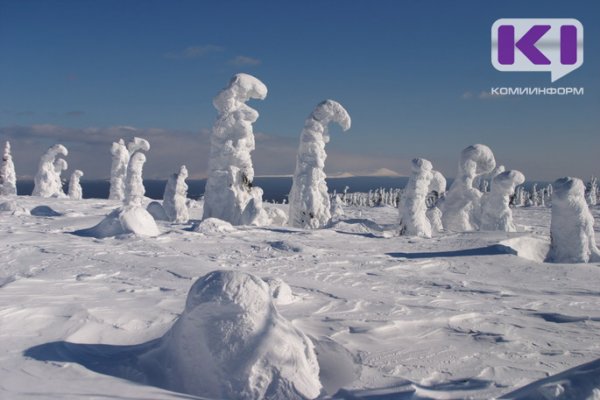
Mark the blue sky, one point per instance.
(410, 74)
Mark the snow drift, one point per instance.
(572, 225)
(232, 343)
(309, 201)
(230, 194)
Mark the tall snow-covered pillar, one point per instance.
(75, 191)
(175, 197)
(230, 194)
(413, 218)
(8, 177)
(47, 181)
(118, 170)
(437, 187)
(572, 226)
(461, 207)
(309, 201)
(496, 214)
(134, 184)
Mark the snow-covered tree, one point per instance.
(309, 201)
(60, 165)
(118, 170)
(230, 194)
(175, 197)
(413, 212)
(461, 206)
(572, 225)
(437, 188)
(137, 144)
(134, 183)
(591, 194)
(496, 214)
(75, 191)
(8, 177)
(47, 182)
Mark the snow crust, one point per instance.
(47, 181)
(308, 199)
(175, 197)
(461, 206)
(230, 194)
(8, 176)
(232, 343)
(572, 227)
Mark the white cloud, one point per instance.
(244, 61)
(192, 52)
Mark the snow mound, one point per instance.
(280, 291)
(44, 211)
(12, 207)
(213, 225)
(277, 216)
(232, 343)
(581, 382)
(123, 221)
(528, 247)
(157, 211)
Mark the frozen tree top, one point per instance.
(508, 179)
(137, 144)
(241, 88)
(331, 111)
(478, 156)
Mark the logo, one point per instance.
(552, 45)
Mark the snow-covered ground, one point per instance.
(473, 315)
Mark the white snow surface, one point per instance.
(229, 194)
(8, 176)
(309, 201)
(461, 315)
(47, 181)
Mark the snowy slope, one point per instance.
(456, 316)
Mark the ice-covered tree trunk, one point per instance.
(8, 177)
(413, 212)
(437, 188)
(309, 201)
(134, 184)
(175, 197)
(461, 206)
(47, 182)
(496, 214)
(229, 194)
(75, 191)
(118, 170)
(572, 225)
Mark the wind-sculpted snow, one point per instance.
(8, 176)
(437, 188)
(461, 206)
(75, 191)
(413, 210)
(496, 214)
(232, 343)
(572, 227)
(175, 197)
(309, 201)
(47, 182)
(230, 194)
